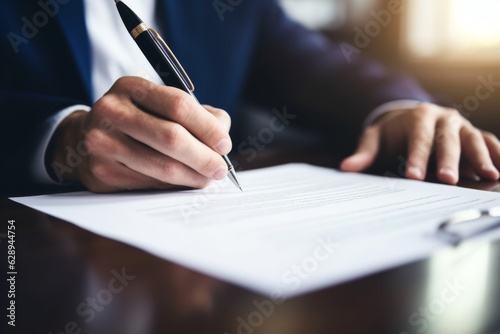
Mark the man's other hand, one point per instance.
(459, 147)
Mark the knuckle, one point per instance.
(474, 133)
(95, 141)
(122, 82)
(453, 118)
(425, 110)
(100, 171)
(127, 81)
(179, 103)
(172, 136)
(105, 107)
(490, 136)
(222, 114)
(168, 170)
(210, 165)
(452, 111)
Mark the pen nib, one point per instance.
(234, 179)
(231, 173)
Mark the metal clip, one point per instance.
(183, 73)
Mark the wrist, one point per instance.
(389, 107)
(62, 159)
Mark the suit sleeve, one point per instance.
(39, 78)
(23, 120)
(297, 67)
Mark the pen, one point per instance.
(163, 61)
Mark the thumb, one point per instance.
(366, 153)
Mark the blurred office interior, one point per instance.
(451, 46)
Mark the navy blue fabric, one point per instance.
(255, 53)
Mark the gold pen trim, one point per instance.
(139, 30)
(143, 28)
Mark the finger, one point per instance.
(179, 107)
(420, 146)
(106, 176)
(448, 147)
(493, 145)
(152, 163)
(477, 154)
(366, 153)
(170, 139)
(221, 115)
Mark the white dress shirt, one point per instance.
(114, 54)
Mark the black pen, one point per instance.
(163, 61)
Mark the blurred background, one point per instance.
(451, 46)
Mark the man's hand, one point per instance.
(459, 147)
(140, 135)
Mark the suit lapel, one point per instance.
(72, 21)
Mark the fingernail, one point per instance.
(360, 156)
(224, 146)
(489, 168)
(448, 171)
(416, 172)
(220, 173)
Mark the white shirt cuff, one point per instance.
(389, 106)
(38, 168)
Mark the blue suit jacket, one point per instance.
(255, 52)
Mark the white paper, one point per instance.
(294, 229)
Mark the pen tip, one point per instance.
(240, 189)
(117, 1)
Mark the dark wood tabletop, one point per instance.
(72, 281)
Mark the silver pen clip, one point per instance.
(183, 75)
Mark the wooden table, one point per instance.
(72, 281)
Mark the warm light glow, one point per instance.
(453, 29)
(477, 22)
(316, 14)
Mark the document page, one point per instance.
(295, 228)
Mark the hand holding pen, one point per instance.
(159, 140)
(168, 68)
